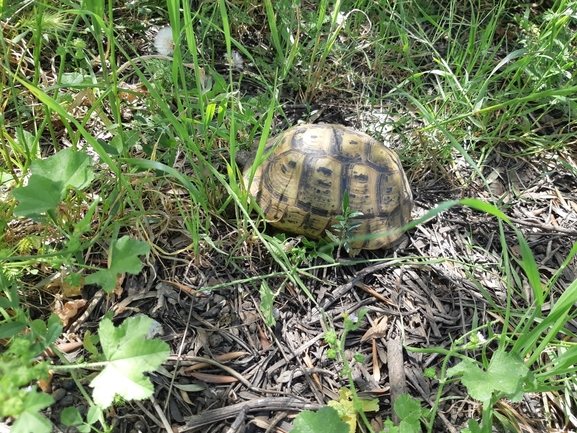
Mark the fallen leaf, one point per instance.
(264, 342)
(378, 330)
(69, 310)
(214, 378)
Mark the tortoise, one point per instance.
(301, 184)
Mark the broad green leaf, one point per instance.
(50, 179)
(410, 427)
(24, 142)
(93, 415)
(326, 419)
(40, 195)
(128, 355)
(123, 258)
(10, 329)
(506, 373)
(408, 408)
(123, 142)
(125, 252)
(31, 420)
(71, 79)
(70, 416)
(67, 167)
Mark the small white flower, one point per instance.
(341, 17)
(236, 60)
(163, 41)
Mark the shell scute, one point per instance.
(300, 186)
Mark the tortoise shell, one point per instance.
(301, 183)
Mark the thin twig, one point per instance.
(269, 403)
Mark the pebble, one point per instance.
(67, 401)
(58, 394)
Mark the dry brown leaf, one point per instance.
(214, 378)
(132, 92)
(60, 285)
(184, 288)
(62, 347)
(185, 397)
(264, 342)
(378, 330)
(69, 310)
(309, 363)
(264, 423)
(119, 280)
(376, 363)
(220, 358)
(46, 384)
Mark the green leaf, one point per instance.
(68, 167)
(31, 420)
(389, 427)
(408, 408)
(94, 414)
(267, 304)
(53, 332)
(89, 344)
(10, 329)
(129, 355)
(123, 142)
(351, 325)
(531, 269)
(70, 416)
(347, 410)
(326, 419)
(506, 373)
(473, 427)
(40, 195)
(95, 6)
(410, 411)
(50, 180)
(409, 427)
(566, 361)
(481, 206)
(125, 252)
(71, 79)
(123, 258)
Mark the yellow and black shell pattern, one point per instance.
(301, 184)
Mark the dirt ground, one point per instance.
(430, 291)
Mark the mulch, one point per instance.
(426, 293)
